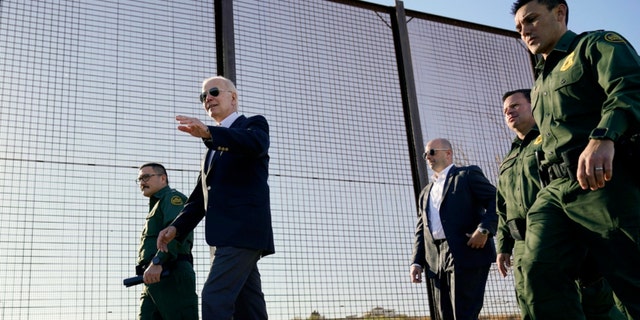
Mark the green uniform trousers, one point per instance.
(173, 298)
(597, 298)
(565, 223)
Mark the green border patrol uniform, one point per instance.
(518, 185)
(588, 87)
(174, 297)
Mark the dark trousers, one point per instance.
(459, 292)
(597, 298)
(233, 289)
(174, 297)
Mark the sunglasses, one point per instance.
(214, 92)
(432, 152)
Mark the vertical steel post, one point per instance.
(225, 45)
(411, 116)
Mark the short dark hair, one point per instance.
(525, 92)
(549, 3)
(157, 168)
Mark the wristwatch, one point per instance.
(600, 134)
(483, 230)
(156, 260)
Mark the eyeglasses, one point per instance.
(214, 92)
(432, 152)
(146, 177)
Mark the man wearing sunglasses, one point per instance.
(233, 194)
(453, 240)
(173, 296)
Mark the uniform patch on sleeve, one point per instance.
(613, 37)
(176, 201)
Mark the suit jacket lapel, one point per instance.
(216, 154)
(447, 183)
(427, 194)
(424, 205)
(238, 121)
(206, 165)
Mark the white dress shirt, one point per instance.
(228, 121)
(435, 200)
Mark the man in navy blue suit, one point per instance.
(232, 195)
(454, 234)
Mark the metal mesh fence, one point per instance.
(89, 91)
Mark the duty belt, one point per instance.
(559, 171)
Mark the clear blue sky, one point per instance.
(584, 15)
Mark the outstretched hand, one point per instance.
(193, 126)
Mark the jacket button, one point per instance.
(209, 188)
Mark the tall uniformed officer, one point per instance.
(586, 101)
(173, 296)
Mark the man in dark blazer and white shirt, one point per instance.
(454, 235)
(233, 194)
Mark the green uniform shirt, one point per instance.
(518, 185)
(588, 81)
(164, 207)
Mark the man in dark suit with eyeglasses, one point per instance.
(454, 234)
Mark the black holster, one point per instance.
(570, 162)
(140, 269)
(566, 169)
(543, 174)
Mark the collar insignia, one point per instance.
(568, 61)
(538, 140)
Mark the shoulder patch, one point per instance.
(568, 61)
(538, 140)
(176, 201)
(613, 37)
